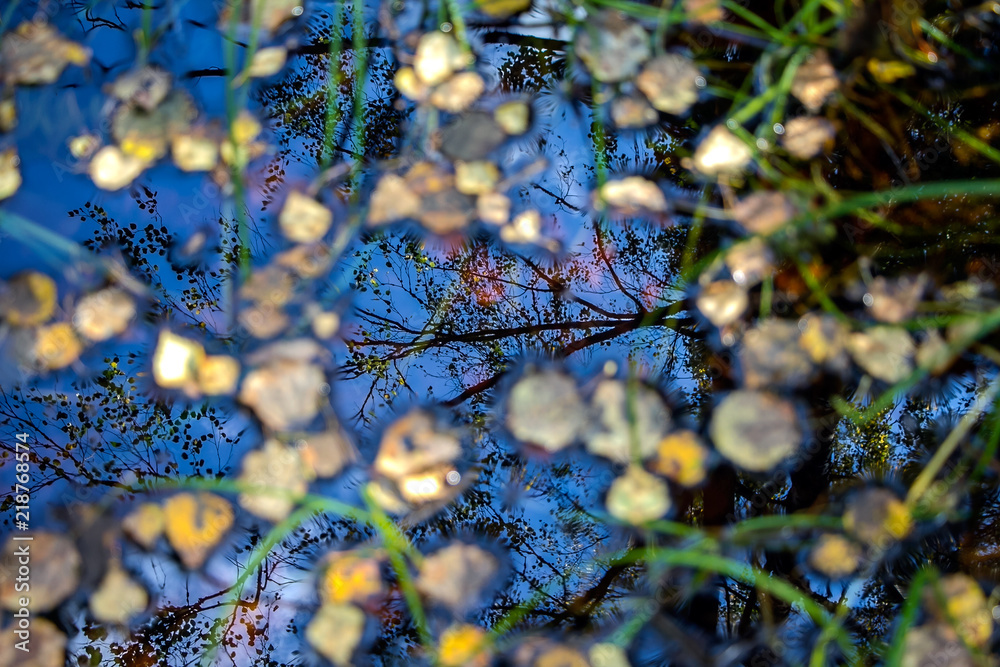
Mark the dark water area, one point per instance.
(555, 333)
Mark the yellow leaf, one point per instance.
(195, 523)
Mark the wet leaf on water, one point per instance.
(825, 338)
(632, 195)
(349, 577)
(895, 299)
(327, 453)
(501, 9)
(56, 346)
(241, 146)
(933, 645)
(476, 178)
(111, 169)
(632, 111)
(669, 81)
(886, 353)
(459, 92)
(545, 409)
(145, 87)
(720, 153)
(934, 353)
(683, 458)
(606, 654)
(303, 219)
(83, 146)
(513, 117)
(8, 114)
(272, 284)
(28, 299)
(306, 261)
(48, 646)
(414, 444)
(218, 375)
(624, 413)
(835, 556)
(276, 477)
(815, 80)
(285, 393)
(335, 631)
(772, 355)
(55, 572)
(392, 201)
(194, 151)
(119, 598)
(612, 46)
(267, 62)
(268, 14)
(456, 575)
(889, 71)
(750, 261)
(264, 320)
(103, 314)
(409, 84)
(526, 227)
(966, 608)
(472, 136)
(176, 361)
(146, 135)
(464, 645)
(703, 11)
(723, 302)
(438, 56)
(195, 523)
(755, 430)
(805, 137)
(325, 324)
(638, 497)
(35, 53)
(493, 208)
(561, 656)
(10, 174)
(876, 517)
(144, 524)
(763, 212)
(443, 209)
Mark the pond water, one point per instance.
(555, 333)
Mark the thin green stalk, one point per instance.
(332, 91)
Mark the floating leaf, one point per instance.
(934, 353)
(118, 599)
(721, 153)
(146, 135)
(111, 169)
(10, 174)
(493, 208)
(670, 83)
(806, 137)
(889, 71)
(612, 46)
(194, 523)
(349, 577)
(83, 146)
(824, 338)
(264, 320)
(683, 458)
(632, 111)
(966, 608)
(835, 556)
(631, 421)
(35, 53)
(763, 212)
(501, 9)
(771, 355)
(638, 497)
(103, 314)
(632, 195)
(755, 430)
(561, 656)
(327, 453)
(723, 302)
(414, 444)
(545, 409)
(513, 117)
(325, 324)
(47, 646)
(56, 346)
(472, 136)
(303, 219)
(28, 299)
(176, 361)
(409, 84)
(885, 353)
(606, 654)
(456, 574)
(392, 200)
(267, 62)
(268, 14)
(194, 151)
(895, 300)
(464, 645)
(54, 570)
(218, 375)
(335, 631)
(526, 227)
(145, 87)
(8, 114)
(277, 477)
(815, 80)
(438, 57)
(285, 393)
(935, 645)
(459, 92)
(750, 261)
(475, 178)
(144, 524)
(703, 11)
(876, 517)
